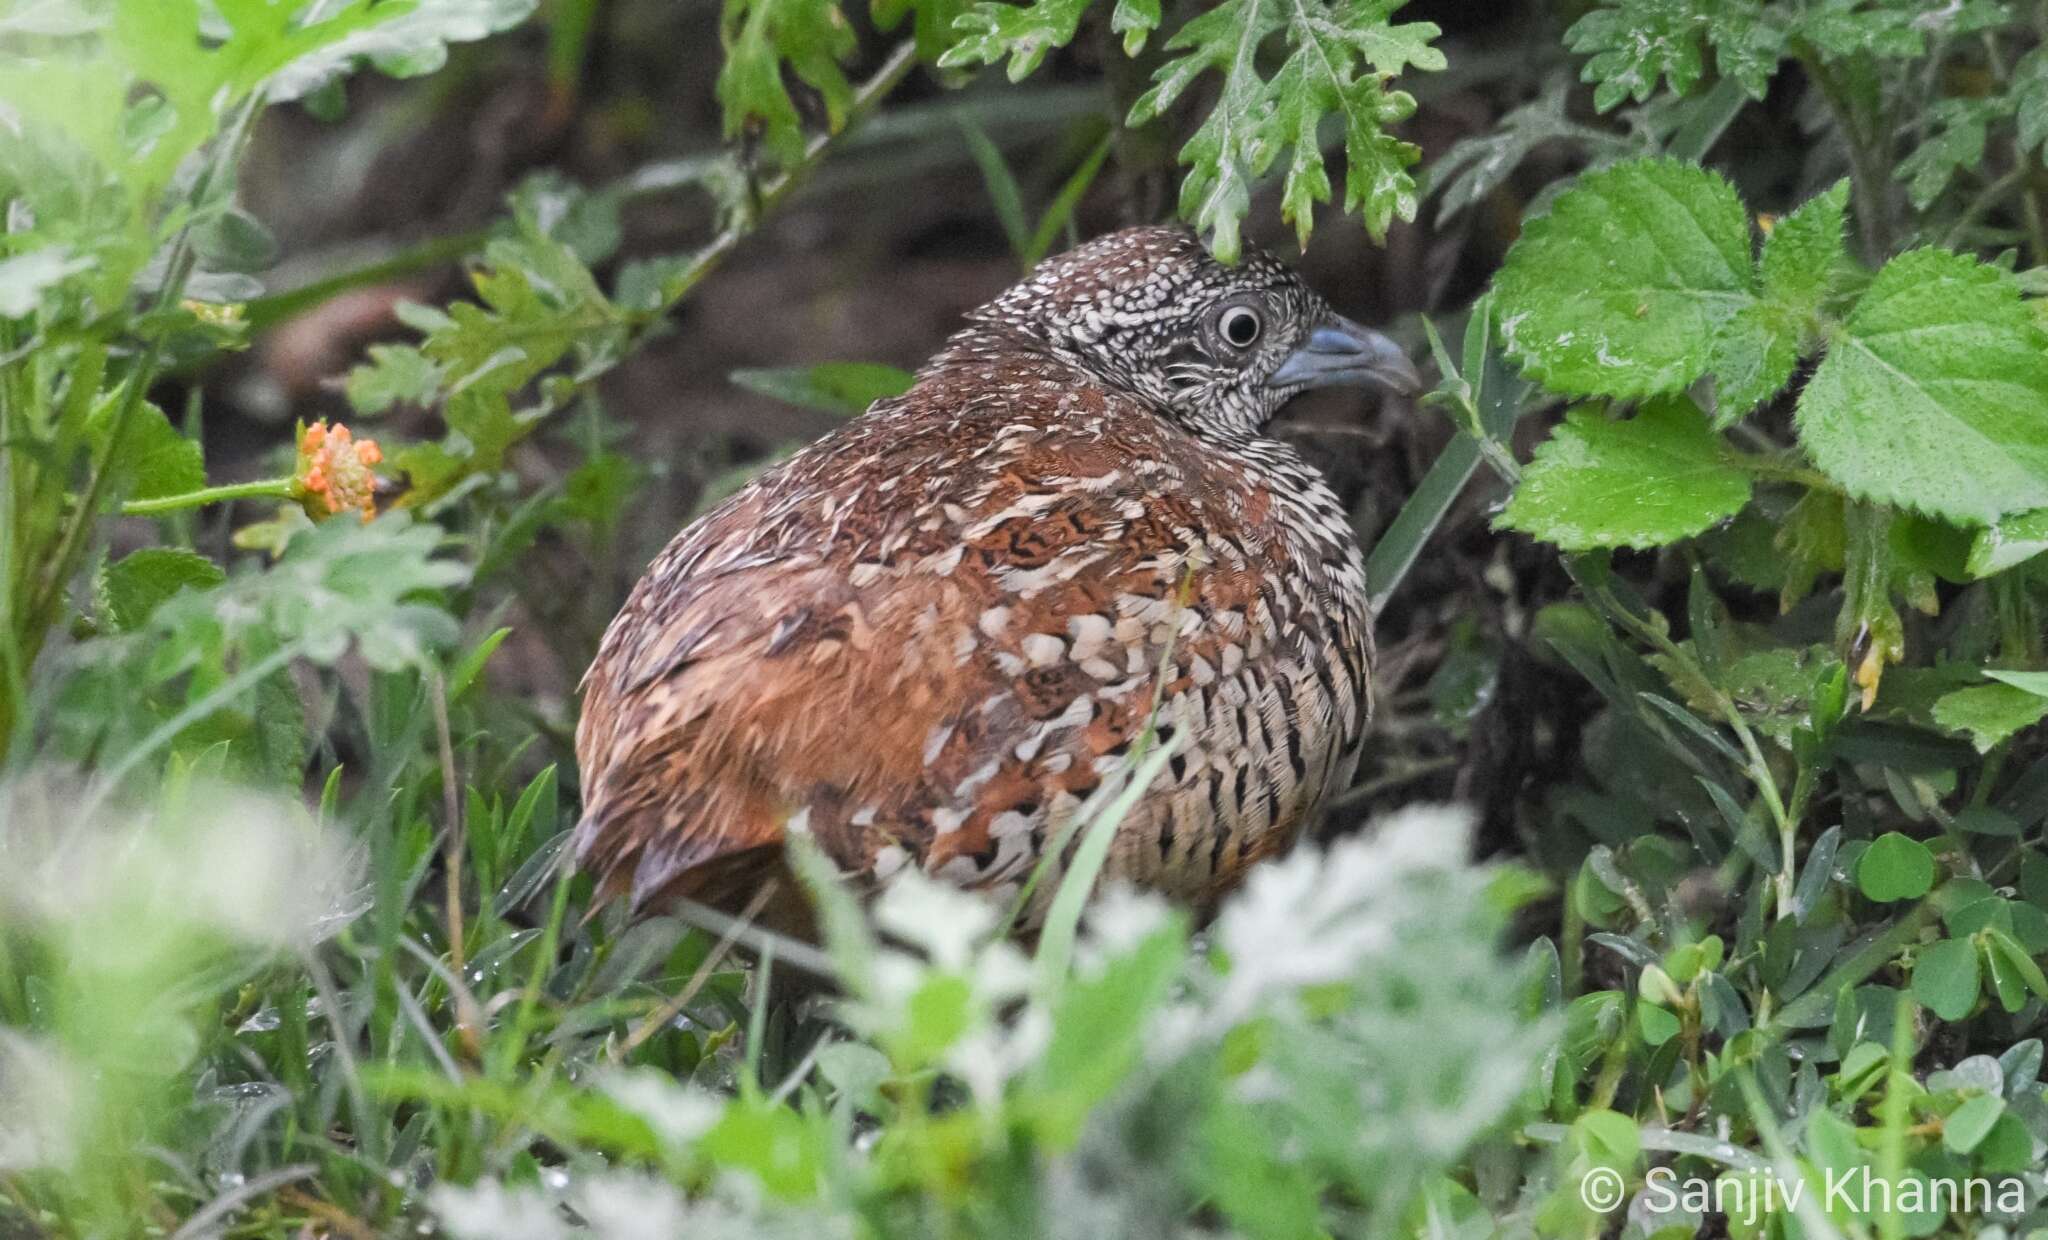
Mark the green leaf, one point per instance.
(2010, 962)
(1753, 356)
(133, 586)
(1656, 478)
(989, 31)
(934, 25)
(834, 387)
(1989, 714)
(1339, 57)
(1656, 1024)
(1804, 251)
(1608, 1138)
(1622, 289)
(1968, 1125)
(1956, 130)
(395, 374)
(1945, 978)
(1473, 168)
(154, 459)
(1934, 394)
(1895, 867)
(1004, 194)
(2008, 541)
(2028, 91)
(234, 240)
(812, 37)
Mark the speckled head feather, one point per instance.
(1152, 311)
(926, 638)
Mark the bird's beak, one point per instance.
(1340, 352)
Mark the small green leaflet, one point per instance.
(1657, 478)
(812, 37)
(1934, 393)
(1895, 867)
(1339, 60)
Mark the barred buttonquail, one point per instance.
(925, 638)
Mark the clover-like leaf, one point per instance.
(1895, 867)
(1656, 478)
(1934, 393)
(1945, 978)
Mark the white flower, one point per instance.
(491, 1211)
(679, 1114)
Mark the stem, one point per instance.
(70, 550)
(865, 99)
(1869, 159)
(265, 311)
(262, 488)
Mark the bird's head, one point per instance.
(1222, 348)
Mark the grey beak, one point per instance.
(1340, 352)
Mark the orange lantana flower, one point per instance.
(333, 474)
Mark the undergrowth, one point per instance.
(287, 941)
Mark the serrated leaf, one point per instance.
(1633, 44)
(1622, 288)
(933, 25)
(1934, 394)
(834, 387)
(395, 374)
(1476, 166)
(989, 31)
(1135, 20)
(133, 586)
(1989, 714)
(1752, 358)
(1657, 478)
(1339, 59)
(1957, 129)
(812, 37)
(154, 459)
(1803, 251)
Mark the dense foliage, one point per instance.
(286, 941)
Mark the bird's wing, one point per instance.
(922, 645)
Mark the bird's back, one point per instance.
(928, 636)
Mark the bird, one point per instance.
(923, 640)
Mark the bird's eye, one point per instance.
(1240, 327)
